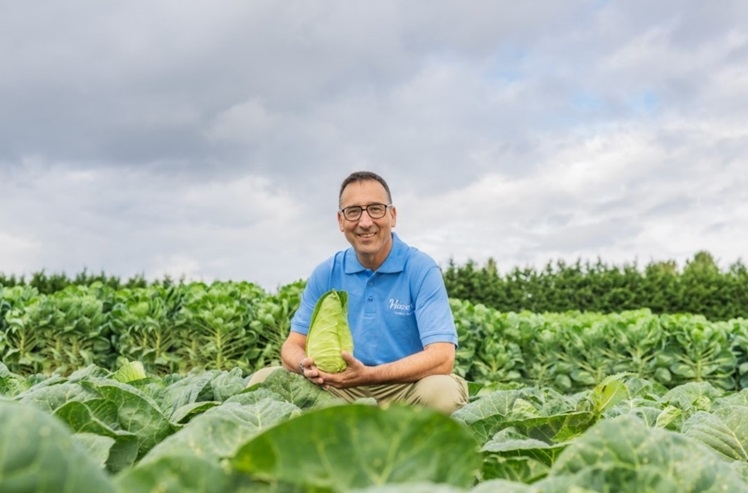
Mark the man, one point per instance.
(404, 337)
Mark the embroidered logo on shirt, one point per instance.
(400, 308)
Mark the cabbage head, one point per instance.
(329, 333)
(129, 372)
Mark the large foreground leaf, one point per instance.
(38, 454)
(182, 474)
(220, 431)
(136, 413)
(521, 410)
(726, 431)
(624, 455)
(100, 417)
(503, 486)
(354, 446)
(411, 488)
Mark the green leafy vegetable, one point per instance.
(39, 453)
(624, 455)
(179, 474)
(329, 333)
(129, 372)
(340, 448)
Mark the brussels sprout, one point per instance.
(329, 333)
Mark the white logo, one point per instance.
(400, 308)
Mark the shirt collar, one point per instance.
(395, 261)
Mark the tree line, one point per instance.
(52, 283)
(700, 287)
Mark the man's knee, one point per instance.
(445, 393)
(260, 375)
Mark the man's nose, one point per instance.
(365, 218)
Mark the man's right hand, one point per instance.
(311, 372)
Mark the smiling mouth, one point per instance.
(366, 235)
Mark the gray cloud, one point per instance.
(211, 139)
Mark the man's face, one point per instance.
(371, 238)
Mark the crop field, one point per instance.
(136, 390)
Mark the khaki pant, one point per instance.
(445, 393)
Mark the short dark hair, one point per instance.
(364, 176)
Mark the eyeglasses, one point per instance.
(375, 211)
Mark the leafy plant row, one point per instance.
(222, 326)
(170, 329)
(208, 432)
(701, 287)
(573, 351)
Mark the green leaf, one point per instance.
(500, 402)
(624, 455)
(524, 410)
(514, 468)
(692, 396)
(180, 474)
(188, 390)
(504, 486)
(608, 393)
(97, 447)
(220, 431)
(299, 391)
(100, 417)
(253, 396)
(10, 383)
(136, 413)
(185, 413)
(343, 447)
(38, 453)
(411, 488)
(668, 416)
(511, 443)
(48, 397)
(129, 372)
(726, 431)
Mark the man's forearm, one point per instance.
(436, 359)
(291, 355)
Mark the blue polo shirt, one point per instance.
(393, 312)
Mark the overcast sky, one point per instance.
(208, 139)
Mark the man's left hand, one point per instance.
(354, 375)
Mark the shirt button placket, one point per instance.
(370, 295)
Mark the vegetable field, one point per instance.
(145, 389)
(207, 432)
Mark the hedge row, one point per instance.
(701, 287)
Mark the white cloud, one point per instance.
(163, 137)
(623, 196)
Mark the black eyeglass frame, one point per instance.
(345, 211)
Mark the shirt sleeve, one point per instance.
(433, 313)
